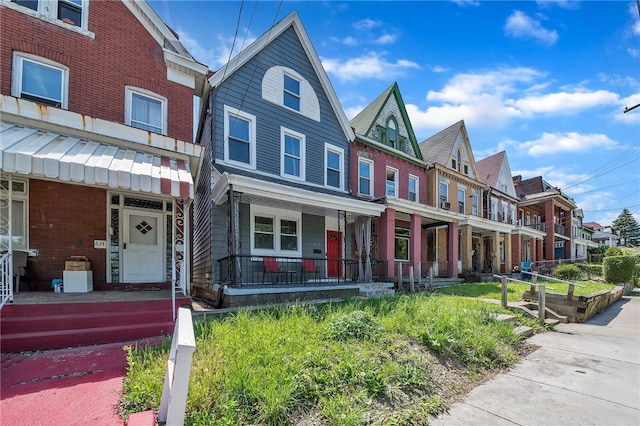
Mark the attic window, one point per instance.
(459, 160)
(466, 169)
(392, 132)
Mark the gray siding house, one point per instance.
(273, 210)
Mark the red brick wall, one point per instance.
(63, 221)
(122, 53)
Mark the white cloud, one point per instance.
(631, 116)
(386, 39)
(565, 4)
(438, 68)
(366, 24)
(350, 41)
(369, 65)
(551, 143)
(520, 25)
(215, 57)
(353, 111)
(466, 2)
(563, 102)
(555, 176)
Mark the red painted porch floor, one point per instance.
(73, 386)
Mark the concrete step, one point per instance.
(523, 330)
(506, 318)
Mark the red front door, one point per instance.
(334, 251)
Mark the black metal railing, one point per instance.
(561, 230)
(537, 226)
(247, 270)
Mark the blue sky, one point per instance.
(546, 81)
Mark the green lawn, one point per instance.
(493, 290)
(355, 363)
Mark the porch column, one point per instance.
(507, 253)
(452, 250)
(466, 248)
(495, 251)
(516, 249)
(540, 248)
(415, 249)
(386, 240)
(550, 222)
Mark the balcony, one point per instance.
(560, 230)
(246, 270)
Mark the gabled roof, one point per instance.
(290, 21)
(438, 148)
(176, 54)
(366, 119)
(489, 169)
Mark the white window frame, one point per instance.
(494, 209)
(404, 237)
(289, 92)
(128, 107)
(302, 138)
(395, 181)
(229, 111)
(443, 198)
(48, 11)
(464, 201)
(417, 188)
(474, 204)
(18, 61)
(21, 197)
(370, 177)
(278, 215)
(336, 150)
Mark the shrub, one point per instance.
(590, 269)
(613, 251)
(567, 272)
(618, 269)
(359, 325)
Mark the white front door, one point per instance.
(143, 254)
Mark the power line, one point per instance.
(610, 210)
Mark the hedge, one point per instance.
(618, 269)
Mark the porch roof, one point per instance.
(51, 155)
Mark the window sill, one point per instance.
(54, 21)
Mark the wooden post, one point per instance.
(541, 304)
(400, 284)
(412, 287)
(534, 280)
(570, 291)
(503, 280)
(419, 266)
(430, 278)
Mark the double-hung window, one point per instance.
(365, 177)
(275, 232)
(239, 138)
(392, 182)
(334, 160)
(444, 197)
(474, 204)
(73, 12)
(13, 214)
(40, 80)
(413, 188)
(291, 92)
(461, 201)
(146, 110)
(293, 154)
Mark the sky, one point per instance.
(548, 81)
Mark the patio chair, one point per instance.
(525, 270)
(19, 259)
(309, 267)
(271, 267)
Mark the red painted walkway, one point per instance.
(74, 386)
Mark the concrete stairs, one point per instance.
(376, 289)
(32, 327)
(520, 330)
(531, 309)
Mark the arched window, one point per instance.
(459, 160)
(392, 132)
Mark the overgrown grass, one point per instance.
(359, 362)
(493, 290)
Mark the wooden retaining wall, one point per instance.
(578, 308)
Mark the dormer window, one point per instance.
(459, 160)
(291, 92)
(392, 132)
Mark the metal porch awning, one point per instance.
(39, 153)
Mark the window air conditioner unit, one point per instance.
(445, 205)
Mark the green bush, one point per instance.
(618, 269)
(359, 325)
(590, 269)
(613, 251)
(567, 272)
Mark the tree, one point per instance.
(627, 228)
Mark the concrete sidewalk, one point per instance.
(583, 374)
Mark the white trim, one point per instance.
(371, 174)
(302, 159)
(48, 11)
(289, 194)
(463, 189)
(417, 181)
(252, 137)
(395, 181)
(277, 215)
(291, 20)
(446, 184)
(17, 72)
(336, 150)
(128, 107)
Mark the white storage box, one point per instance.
(77, 281)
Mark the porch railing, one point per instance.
(6, 278)
(246, 270)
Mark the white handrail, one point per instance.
(6, 278)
